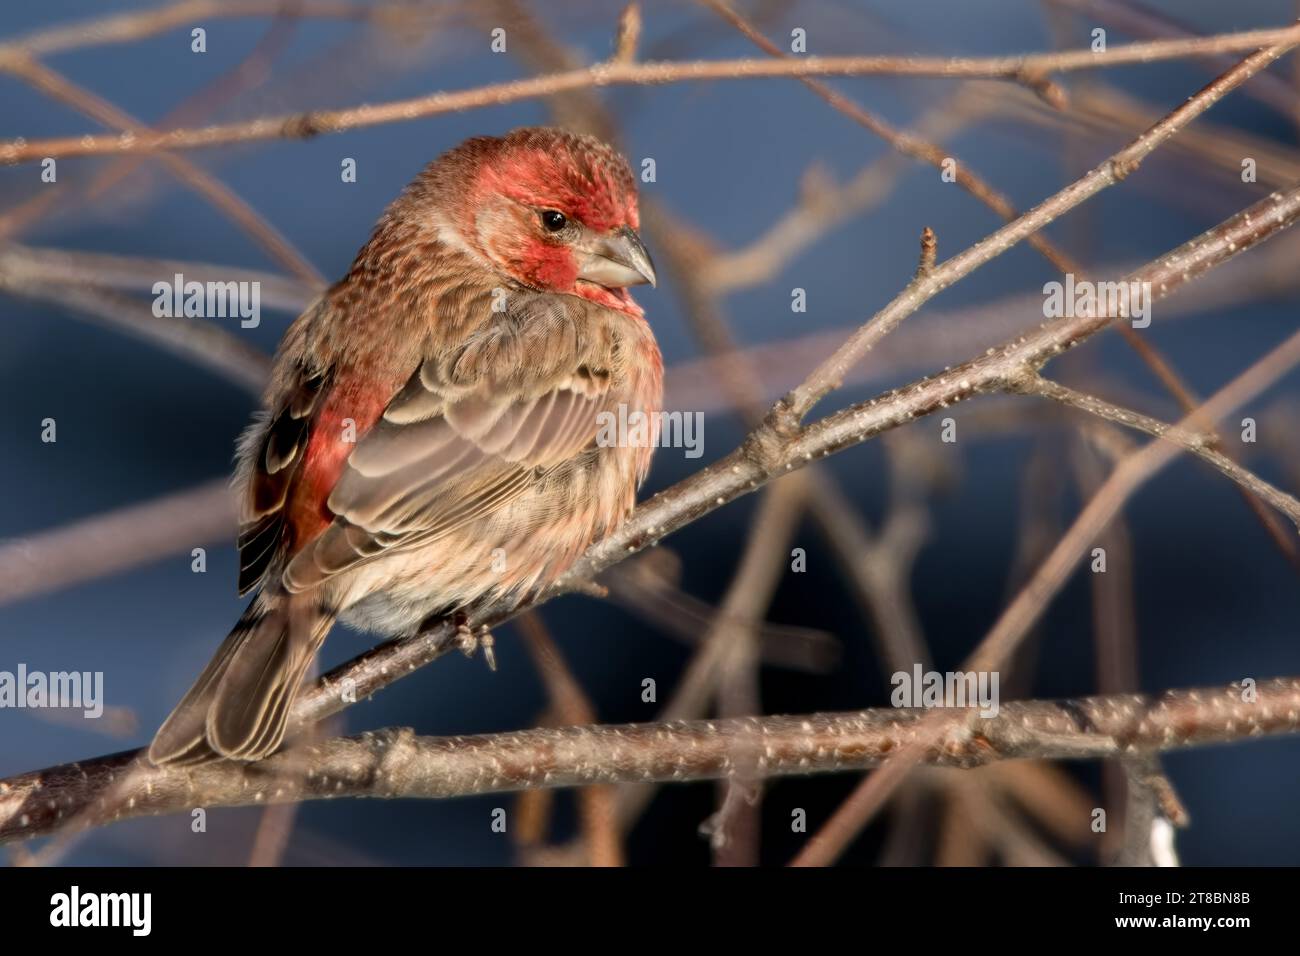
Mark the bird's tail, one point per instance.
(239, 706)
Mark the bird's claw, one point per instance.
(471, 640)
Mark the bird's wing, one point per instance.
(274, 465)
(432, 464)
(457, 442)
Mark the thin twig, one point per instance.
(1198, 443)
(628, 34)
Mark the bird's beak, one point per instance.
(617, 260)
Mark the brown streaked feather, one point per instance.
(455, 444)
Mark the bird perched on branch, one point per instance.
(429, 445)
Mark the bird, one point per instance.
(429, 445)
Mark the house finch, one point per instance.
(430, 440)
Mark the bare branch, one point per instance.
(301, 125)
(396, 763)
(1198, 443)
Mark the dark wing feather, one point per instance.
(276, 462)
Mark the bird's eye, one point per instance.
(553, 220)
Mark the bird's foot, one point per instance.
(470, 640)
